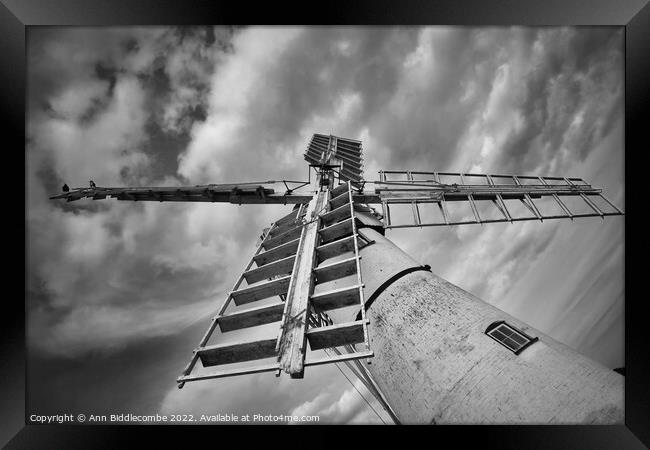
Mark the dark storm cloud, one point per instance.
(131, 380)
(91, 97)
(573, 79)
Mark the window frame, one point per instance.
(495, 326)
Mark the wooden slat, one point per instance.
(290, 221)
(416, 213)
(384, 210)
(288, 218)
(351, 149)
(501, 210)
(528, 207)
(251, 317)
(279, 267)
(336, 335)
(282, 238)
(232, 372)
(336, 298)
(335, 215)
(232, 353)
(533, 207)
(276, 231)
(342, 199)
(314, 154)
(279, 252)
(318, 145)
(350, 154)
(353, 143)
(367, 219)
(336, 270)
(349, 161)
(592, 205)
(335, 248)
(505, 209)
(363, 208)
(355, 155)
(350, 144)
(610, 204)
(336, 231)
(443, 209)
(338, 190)
(563, 206)
(474, 209)
(350, 141)
(340, 358)
(350, 174)
(291, 342)
(261, 291)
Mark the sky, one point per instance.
(119, 293)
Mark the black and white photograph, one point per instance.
(288, 225)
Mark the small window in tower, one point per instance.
(510, 337)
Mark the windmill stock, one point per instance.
(325, 277)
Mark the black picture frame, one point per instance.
(634, 15)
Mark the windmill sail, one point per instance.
(237, 193)
(305, 265)
(419, 199)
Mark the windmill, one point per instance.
(325, 277)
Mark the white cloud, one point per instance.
(239, 82)
(100, 149)
(348, 408)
